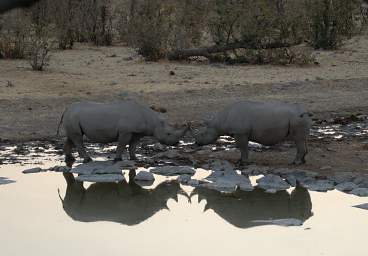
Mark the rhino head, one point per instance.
(170, 135)
(205, 135)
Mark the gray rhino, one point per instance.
(267, 123)
(243, 209)
(124, 202)
(125, 122)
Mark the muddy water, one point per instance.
(41, 215)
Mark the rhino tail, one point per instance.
(60, 122)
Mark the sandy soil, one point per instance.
(32, 102)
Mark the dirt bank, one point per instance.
(31, 102)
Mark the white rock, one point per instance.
(173, 170)
(282, 222)
(346, 186)
(144, 176)
(363, 192)
(33, 170)
(101, 177)
(362, 206)
(102, 167)
(272, 182)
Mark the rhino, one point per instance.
(267, 123)
(123, 202)
(246, 209)
(125, 122)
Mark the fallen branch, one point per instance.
(182, 54)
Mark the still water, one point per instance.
(40, 214)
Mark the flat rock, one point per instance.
(102, 167)
(173, 170)
(346, 186)
(59, 169)
(363, 192)
(319, 185)
(343, 177)
(256, 170)
(361, 181)
(282, 222)
(144, 176)
(4, 181)
(33, 170)
(272, 182)
(362, 206)
(220, 165)
(228, 181)
(299, 176)
(101, 178)
(170, 154)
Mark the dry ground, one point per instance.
(32, 105)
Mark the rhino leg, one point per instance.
(123, 140)
(301, 151)
(68, 150)
(77, 140)
(242, 141)
(133, 145)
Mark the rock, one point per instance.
(173, 170)
(363, 192)
(221, 165)
(144, 176)
(362, 206)
(101, 178)
(170, 154)
(319, 185)
(343, 177)
(361, 181)
(228, 181)
(256, 170)
(193, 183)
(172, 73)
(4, 181)
(59, 169)
(103, 167)
(184, 178)
(272, 182)
(33, 170)
(346, 186)
(113, 83)
(300, 176)
(221, 185)
(282, 222)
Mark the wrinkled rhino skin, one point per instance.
(267, 123)
(125, 122)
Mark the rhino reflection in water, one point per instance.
(125, 203)
(243, 208)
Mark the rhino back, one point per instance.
(265, 122)
(101, 122)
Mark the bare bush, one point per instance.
(13, 35)
(39, 37)
(331, 21)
